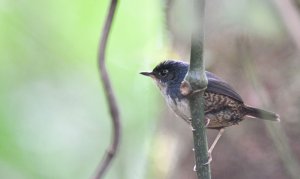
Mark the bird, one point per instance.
(223, 106)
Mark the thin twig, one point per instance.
(196, 81)
(110, 97)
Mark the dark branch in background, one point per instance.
(110, 97)
(195, 83)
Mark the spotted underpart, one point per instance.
(220, 111)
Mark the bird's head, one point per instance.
(168, 75)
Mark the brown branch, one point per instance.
(110, 97)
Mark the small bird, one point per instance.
(223, 106)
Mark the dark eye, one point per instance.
(164, 72)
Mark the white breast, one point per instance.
(180, 107)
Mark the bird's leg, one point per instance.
(213, 146)
(216, 140)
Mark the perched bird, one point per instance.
(223, 106)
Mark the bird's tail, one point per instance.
(261, 114)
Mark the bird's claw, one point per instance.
(197, 91)
(209, 159)
(207, 122)
(193, 129)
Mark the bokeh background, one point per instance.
(54, 121)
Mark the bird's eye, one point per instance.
(164, 72)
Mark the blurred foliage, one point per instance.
(54, 121)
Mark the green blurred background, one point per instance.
(54, 121)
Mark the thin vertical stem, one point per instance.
(110, 97)
(197, 82)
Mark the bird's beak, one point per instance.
(150, 74)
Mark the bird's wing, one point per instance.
(219, 86)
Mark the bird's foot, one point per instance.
(196, 91)
(207, 122)
(209, 159)
(193, 129)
